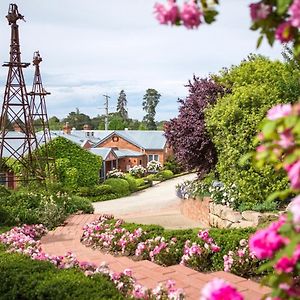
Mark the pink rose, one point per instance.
(285, 265)
(295, 13)
(265, 242)
(259, 11)
(167, 14)
(284, 32)
(218, 289)
(190, 15)
(294, 208)
(293, 171)
(286, 139)
(279, 111)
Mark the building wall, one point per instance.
(120, 144)
(162, 154)
(128, 162)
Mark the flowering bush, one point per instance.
(280, 242)
(278, 20)
(223, 194)
(154, 166)
(218, 289)
(24, 240)
(109, 234)
(137, 171)
(115, 173)
(242, 261)
(197, 256)
(191, 189)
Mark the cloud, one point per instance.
(95, 47)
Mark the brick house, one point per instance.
(120, 149)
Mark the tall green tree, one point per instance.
(122, 106)
(54, 123)
(150, 101)
(77, 119)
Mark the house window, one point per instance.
(153, 157)
(140, 161)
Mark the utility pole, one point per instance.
(106, 110)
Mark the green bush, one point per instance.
(26, 279)
(172, 165)
(256, 85)
(140, 182)
(119, 186)
(4, 191)
(166, 174)
(76, 166)
(32, 208)
(102, 189)
(132, 182)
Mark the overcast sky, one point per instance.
(92, 47)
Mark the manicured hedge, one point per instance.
(76, 166)
(119, 186)
(255, 86)
(26, 279)
(132, 182)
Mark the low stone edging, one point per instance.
(220, 216)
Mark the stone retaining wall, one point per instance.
(220, 216)
(196, 209)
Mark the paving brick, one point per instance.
(67, 238)
(228, 276)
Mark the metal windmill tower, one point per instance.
(17, 146)
(39, 112)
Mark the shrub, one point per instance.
(256, 85)
(119, 186)
(154, 166)
(23, 278)
(103, 189)
(4, 191)
(132, 182)
(115, 174)
(69, 157)
(23, 207)
(172, 165)
(137, 171)
(166, 174)
(140, 182)
(187, 133)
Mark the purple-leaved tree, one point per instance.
(187, 135)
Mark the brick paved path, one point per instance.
(67, 238)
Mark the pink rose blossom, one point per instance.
(279, 111)
(190, 15)
(286, 139)
(293, 171)
(218, 289)
(295, 13)
(294, 208)
(265, 242)
(285, 265)
(284, 32)
(167, 14)
(259, 11)
(261, 148)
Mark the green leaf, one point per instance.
(282, 6)
(245, 158)
(260, 39)
(269, 128)
(279, 195)
(210, 15)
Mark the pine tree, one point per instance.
(150, 101)
(122, 106)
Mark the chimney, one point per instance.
(87, 127)
(17, 127)
(67, 128)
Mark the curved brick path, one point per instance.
(67, 238)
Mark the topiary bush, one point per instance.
(256, 85)
(26, 279)
(166, 174)
(76, 166)
(119, 186)
(131, 181)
